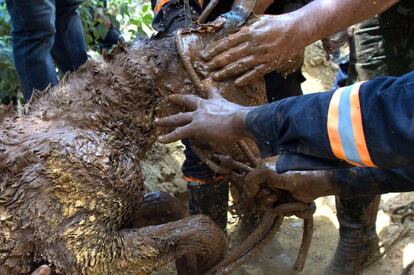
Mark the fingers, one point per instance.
(254, 181)
(190, 101)
(291, 64)
(178, 134)
(43, 270)
(290, 208)
(263, 194)
(177, 120)
(252, 75)
(267, 198)
(225, 44)
(229, 56)
(237, 68)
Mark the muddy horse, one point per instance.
(71, 187)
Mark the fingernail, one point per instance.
(209, 66)
(238, 83)
(204, 55)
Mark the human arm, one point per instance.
(367, 124)
(263, 185)
(273, 42)
(298, 130)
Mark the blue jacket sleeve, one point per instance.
(362, 181)
(369, 124)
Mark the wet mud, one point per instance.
(71, 183)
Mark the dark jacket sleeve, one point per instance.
(369, 124)
(362, 181)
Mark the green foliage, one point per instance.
(131, 17)
(9, 84)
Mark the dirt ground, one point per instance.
(162, 170)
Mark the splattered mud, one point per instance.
(162, 169)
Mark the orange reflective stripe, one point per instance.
(332, 125)
(358, 128)
(199, 181)
(160, 4)
(202, 182)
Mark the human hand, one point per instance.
(270, 43)
(214, 119)
(42, 270)
(266, 185)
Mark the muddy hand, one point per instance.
(265, 185)
(269, 44)
(214, 119)
(43, 270)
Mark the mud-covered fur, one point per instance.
(70, 177)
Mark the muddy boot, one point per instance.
(210, 199)
(358, 239)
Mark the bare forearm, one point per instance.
(321, 18)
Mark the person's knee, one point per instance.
(32, 20)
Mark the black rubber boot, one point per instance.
(248, 218)
(358, 239)
(210, 199)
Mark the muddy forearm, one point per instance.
(351, 182)
(321, 18)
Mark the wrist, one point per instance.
(239, 123)
(301, 26)
(323, 185)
